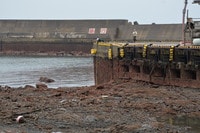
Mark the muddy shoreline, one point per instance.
(48, 53)
(119, 106)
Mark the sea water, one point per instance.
(18, 71)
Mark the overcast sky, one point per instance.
(143, 11)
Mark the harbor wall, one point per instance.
(68, 29)
(163, 64)
(34, 35)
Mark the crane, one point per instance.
(183, 19)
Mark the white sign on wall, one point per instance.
(103, 30)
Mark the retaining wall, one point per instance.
(59, 28)
(28, 32)
(89, 29)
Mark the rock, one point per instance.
(29, 87)
(7, 87)
(46, 80)
(90, 118)
(41, 85)
(155, 86)
(86, 93)
(100, 87)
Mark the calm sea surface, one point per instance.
(66, 71)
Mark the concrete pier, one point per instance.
(165, 65)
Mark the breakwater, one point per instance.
(69, 35)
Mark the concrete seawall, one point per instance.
(59, 28)
(153, 32)
(35, 35)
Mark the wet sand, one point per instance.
(127, 106)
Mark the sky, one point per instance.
(142, 11)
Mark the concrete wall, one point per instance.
(152, 32)
(58, 28)
(70, 29)
(69, 32)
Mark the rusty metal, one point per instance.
(170, 65)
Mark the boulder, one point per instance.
(41, 85)
(46, 80)
(29, 87)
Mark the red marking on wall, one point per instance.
(91, 31)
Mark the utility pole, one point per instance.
(1, 45)
(183, 22)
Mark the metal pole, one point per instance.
(183, 22)
(1, 47)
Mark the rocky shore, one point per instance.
(48, 53)
(126, 106)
